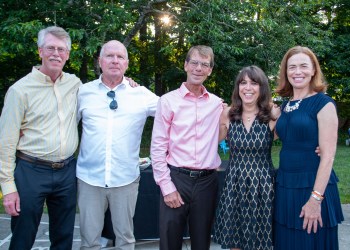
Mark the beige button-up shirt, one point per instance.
(45, 112)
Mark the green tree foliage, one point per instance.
(336, 63)
(254, 32)
(241, 33)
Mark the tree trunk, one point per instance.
(158, 58)
(83, 72)
(144, 65)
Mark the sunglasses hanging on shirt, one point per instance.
(113, 105)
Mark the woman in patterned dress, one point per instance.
(244, 213)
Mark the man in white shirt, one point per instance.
(113, 116)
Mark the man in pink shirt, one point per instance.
(185, 156)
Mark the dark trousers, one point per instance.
(58, 187)
(199, 196)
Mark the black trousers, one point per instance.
(199, 196)
(35, 184)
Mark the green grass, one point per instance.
(341, 167)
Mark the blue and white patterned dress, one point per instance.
(244, 213)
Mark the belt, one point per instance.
(192, 172)
(52, 164)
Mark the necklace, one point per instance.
(292, 108)
(289, 108)
(248, 118)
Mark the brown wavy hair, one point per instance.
(317, 82)
(264, 100)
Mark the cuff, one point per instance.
(168, 188)
(8, 187)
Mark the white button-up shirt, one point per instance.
(110, 143)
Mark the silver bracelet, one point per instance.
(316, 197)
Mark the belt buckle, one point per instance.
(57, 165)
(194, 174)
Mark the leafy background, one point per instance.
(240, 32)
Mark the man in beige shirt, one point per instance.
(38, 138)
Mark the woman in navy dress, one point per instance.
(307, 204)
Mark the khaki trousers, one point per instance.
(93, 203)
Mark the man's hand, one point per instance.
(12, 204)
(173, 200)
(132, 83)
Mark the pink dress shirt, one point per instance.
(185, 134)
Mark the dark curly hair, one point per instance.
(264, 100)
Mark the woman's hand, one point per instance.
(275, 111)
(311, 212)
(224, 122)
(318, 151)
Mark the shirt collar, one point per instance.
(44, 78)
(185, 92)
(123, 84)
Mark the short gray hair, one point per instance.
(58, 32)
(102, 51)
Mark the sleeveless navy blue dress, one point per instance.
(298, 131)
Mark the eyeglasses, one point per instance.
(195, 63)
(52, 49)
(113, 105)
